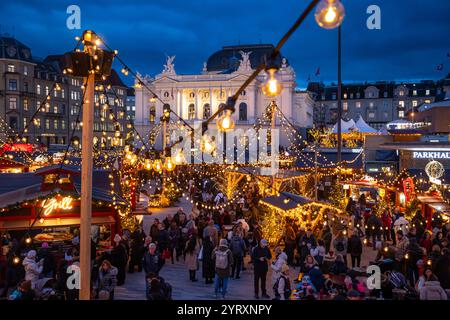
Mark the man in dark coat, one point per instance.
(208, 267)
(261, 256)
(152, 260)
(119, 259)
(354, 248)
(137, 249)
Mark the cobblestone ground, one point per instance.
(183, 289)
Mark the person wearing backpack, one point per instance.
(340, 246)
(223, 260)
(237, 247)
(282, 287)
(261, 256)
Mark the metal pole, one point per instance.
(272, 130)
(315, 174)
(86, 190)
(339, 94)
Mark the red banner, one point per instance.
(408, 188)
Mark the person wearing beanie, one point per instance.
(282, 287)
(32, 268)
(261, 256)
(223, 260)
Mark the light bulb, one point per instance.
(207, 144)
(272, 87)
(169, 165)
(330, 14)
(148, 164)
(179, 158)
(226, 122)
(157, 165)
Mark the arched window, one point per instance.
(152, 114)
(166, 94)
(191, 95)
(206, 111)
(191, 111)
(243, 111)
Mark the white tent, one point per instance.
(346, 126)
(383, 131)
(363, 127)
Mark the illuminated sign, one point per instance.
(50, 205)
(431, 155)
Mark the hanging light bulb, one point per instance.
(330, 14)
(168, 164)
(148, 164)
(207, 144)
(226, 122)
(157, 165)
(272, 87)
(179, 157)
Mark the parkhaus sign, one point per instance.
(431, 155)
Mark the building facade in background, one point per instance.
(197, 97)
(378, 103)
(24, 84)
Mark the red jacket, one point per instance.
(386, 220)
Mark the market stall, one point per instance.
(45, 207)
(305, 212)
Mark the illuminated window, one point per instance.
(191, 111)
(206, 111)
(358, 104)
(401, 114)
(345, 106)
(414, 103)
(38, 89)
(152, 114)
(11, 68)
(13, 103)
(25, 104)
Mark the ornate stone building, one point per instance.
(197, 97)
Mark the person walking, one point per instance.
(340, 246)
(282, 286)
(174, 237)
(280, 260)
(223, 260)
(261, 257)
(137, 249)
(107, 279)
(119, 259)
(354, 248)
(208, 271)
(237, 247)
(289, 240)
(192, 250)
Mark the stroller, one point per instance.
(397, 282)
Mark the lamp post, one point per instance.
(339, 111)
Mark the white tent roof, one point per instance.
(363, 127)
(346, 126)
(383, 131)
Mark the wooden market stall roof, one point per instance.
(286, 201)
(436, 202)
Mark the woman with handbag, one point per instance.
(192, 250)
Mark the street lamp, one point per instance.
(330, 14)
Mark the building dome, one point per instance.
(10, 48)
(228, 59)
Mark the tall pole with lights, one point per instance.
(86, 175)
(92, 64)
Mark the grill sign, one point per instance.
(431, 155)
(50, 205)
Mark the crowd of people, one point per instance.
(224, 240)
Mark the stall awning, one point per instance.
(47, 223)
(286, 201)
